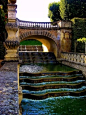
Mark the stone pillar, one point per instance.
(12, 42)
(65, 35)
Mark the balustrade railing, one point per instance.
(78, 58)
(37, 25)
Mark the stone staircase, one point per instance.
(44, 85)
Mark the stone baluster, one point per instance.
(50, 25)
(40, 25)
(26, 24)
(46, 25)
(75, 57)
(30, 24)
(33, 24)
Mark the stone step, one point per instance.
(54, 90)
(53, 74)
(50, 79)
(51, 86)
(53, 94)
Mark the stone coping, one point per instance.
(78, 66)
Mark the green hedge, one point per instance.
(30, 42)
(79, 31)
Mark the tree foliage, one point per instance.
(81, 39)
(67, 9)
(79, 31)
(3, 19)
(63, 9)
(4, 3)
(77, 8)
(54, 13)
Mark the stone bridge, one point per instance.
(55, 36)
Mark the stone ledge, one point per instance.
(79, 66)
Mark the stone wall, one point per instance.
(75, 65)
(75, 60)
(9, 104)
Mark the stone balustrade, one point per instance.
(37, 25)
(79, 58)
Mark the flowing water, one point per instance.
(35, 68)
(43, 84)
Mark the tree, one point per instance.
(3, 19)
(4, 3)
(67, 9)
(79, 31)
(64, 9)
(3, 16)
(76, 8)
(53, 11)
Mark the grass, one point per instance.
(70, 106)
(30, 42)
(55, 106)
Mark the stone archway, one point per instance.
(44, 37)
(38, 32)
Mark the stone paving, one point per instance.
(9, 89)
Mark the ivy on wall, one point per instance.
(79, 31)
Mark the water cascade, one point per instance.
(44, 80)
